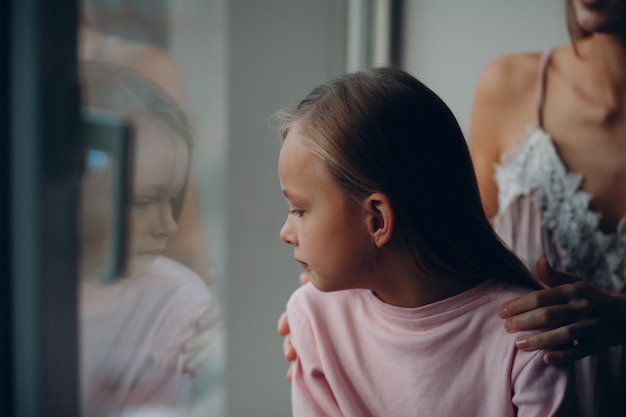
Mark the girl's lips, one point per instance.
(304, 264)
(154, 253)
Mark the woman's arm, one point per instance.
(503, 107)
(200, 346)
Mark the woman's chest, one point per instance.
(599, 157)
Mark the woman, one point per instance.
(548, 140)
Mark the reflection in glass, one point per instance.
(107, 142)
(133, 327)
(158, 63)
(96, 208)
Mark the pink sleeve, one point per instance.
(540, 390)
(311, 395)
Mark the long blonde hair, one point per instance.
(384, 131)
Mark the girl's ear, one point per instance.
(380, 218)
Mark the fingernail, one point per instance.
(522, 343)
(507, 325)
(504, 312)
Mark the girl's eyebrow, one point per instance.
(156, 189)
(293, 198)
(150, 189)
(290, 195)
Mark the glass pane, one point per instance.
(155, 64)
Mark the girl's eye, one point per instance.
(141, 204)
(296, 212)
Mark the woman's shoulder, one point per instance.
(504, 105)
(509, 78)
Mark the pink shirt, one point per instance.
(131, 342)
(358, 356)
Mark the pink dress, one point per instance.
(544, 212)
(360, 357)
(132, 331)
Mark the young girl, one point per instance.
(406, 272)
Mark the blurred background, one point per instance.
(229, 65)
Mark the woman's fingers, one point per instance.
(283, 330)
(577, 351)
(553, 315)
(535, 300)
(551, 277)
(194, 364)
(202, 344)
(304, 278)
(288, 350)
(283, 324)
(563, 288)
(211, 318)
(564, 337)
(572, 320)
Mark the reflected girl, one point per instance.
(133, 327)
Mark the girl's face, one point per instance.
(161, 159)
(326, 229)
(603, 16)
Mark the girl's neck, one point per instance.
(398, 285)
(426, 291)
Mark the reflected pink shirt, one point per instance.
(358, 356)
(131, 342)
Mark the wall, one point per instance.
(279, 50)
(446, 43)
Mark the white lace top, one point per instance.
(543, 211)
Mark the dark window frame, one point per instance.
(41, 167)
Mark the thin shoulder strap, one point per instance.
(544, 60)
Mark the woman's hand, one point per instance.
(283, 330)
(572, 318)
(201, 345)
(209, 326)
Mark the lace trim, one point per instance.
(535, 165)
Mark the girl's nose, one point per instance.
(165, 223)
(286, 233)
